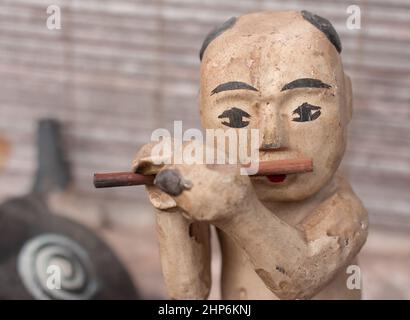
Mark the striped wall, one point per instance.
(119, 69)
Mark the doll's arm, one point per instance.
(185, 255)
(296, 262)
(184, 244)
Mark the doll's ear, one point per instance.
(349, 98)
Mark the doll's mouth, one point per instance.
(276, 178)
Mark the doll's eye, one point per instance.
(306, 112)
(235, 118)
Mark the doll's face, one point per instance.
(279, 74)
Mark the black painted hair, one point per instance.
(320, 23)
(215, 33)
(325, 26)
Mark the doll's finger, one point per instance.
(146, 161)
(149, 165)
(160, 199)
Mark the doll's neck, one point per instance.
(293, 212)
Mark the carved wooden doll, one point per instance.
(282, 236)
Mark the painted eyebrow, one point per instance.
(233, 85)
(305, 83)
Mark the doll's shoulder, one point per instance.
(344, 190)
(344, 202)
(340, 214)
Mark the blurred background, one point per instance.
(118, 69)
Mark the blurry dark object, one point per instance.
(45, 256)
(53, 172)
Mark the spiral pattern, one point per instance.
(52, 266)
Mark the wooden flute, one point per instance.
(266, 168)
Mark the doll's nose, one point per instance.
(270, 146)
(273, 135)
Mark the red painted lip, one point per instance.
(276, 178)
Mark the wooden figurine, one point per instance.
(285, 235)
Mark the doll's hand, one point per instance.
(204, 192)
(145, 163)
